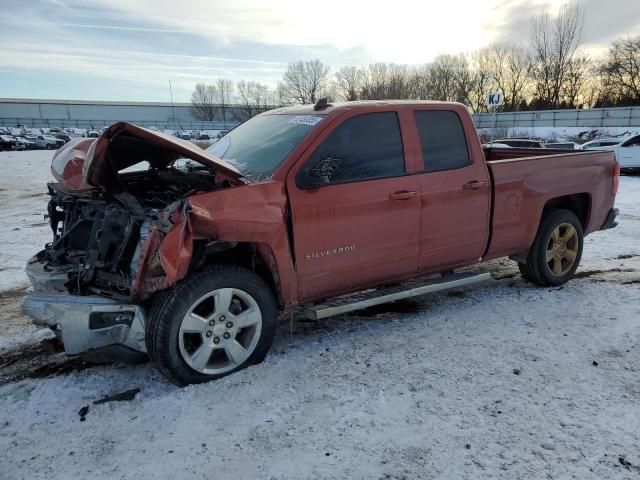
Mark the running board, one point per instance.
(370, 298)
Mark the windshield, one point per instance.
(258, 146)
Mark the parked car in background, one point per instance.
(184, 134)
(48, 142)
(63, 136)
(600, 144)
(93, 134)
(5, 142)
(520, 142)
(561, 145)
(9, 142)
(495, 145)
(628, 154)
(29, 142)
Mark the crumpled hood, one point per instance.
(85, 163)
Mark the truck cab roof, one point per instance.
(334, 107)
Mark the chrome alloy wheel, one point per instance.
(220, 331)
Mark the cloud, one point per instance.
(92, 46)
(604, 21)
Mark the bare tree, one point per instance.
(555, 42)
(385, 81)
(283, 95)
(224, 91)
(419, 82)
(375, 82)
(203, 102)
(509, 67)
(253, 97)
(622, 70)
(575, 88)
(451, 79)
(305, 82)
(349, 82)
(483, 81)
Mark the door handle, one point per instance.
(474, 185)
(403, 195)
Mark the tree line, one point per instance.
(550, 71)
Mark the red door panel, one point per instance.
(353, 235)
(454, 219)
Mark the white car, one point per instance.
(496, 145)
(600, 144)
(627, 151)
(628, 154)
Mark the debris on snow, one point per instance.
(125, 396)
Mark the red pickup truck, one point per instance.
(163, 249)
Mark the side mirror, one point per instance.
(317, 182)
(318, 175)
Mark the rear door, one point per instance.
(362, 227)
(455, 192)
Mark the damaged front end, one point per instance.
(104, 242)
(119, 236)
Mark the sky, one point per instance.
(129, 49)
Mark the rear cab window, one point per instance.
(443, 140)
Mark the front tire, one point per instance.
(556, 251)
(215, 322)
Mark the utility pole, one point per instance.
(173, 113)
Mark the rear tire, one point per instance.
(215, 322)
(556, 251)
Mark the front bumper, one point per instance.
(88, 323)
(84, 323)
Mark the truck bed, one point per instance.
(495, 154)
(524, 181)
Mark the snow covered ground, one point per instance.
(500, 381)
(563, 134)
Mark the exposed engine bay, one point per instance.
(120, 213)
(98, 235)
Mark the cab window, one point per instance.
(363, 147)
(444, 143)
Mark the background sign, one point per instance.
(494, 99)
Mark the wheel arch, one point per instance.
(257, 257)
(578, 203)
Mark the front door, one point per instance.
(362, 226)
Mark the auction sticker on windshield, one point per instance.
(306, 119)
